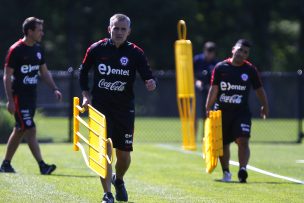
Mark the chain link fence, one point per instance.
(157, 118)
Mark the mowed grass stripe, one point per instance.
(33, 188)
(173, 177)
(155, 175)
(186, 173)
(169, 129)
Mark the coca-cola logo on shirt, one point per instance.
(118, 86)
(27, 80)
(233, 99)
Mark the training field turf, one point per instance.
(168, 129)
(157, 174)
(160, 170)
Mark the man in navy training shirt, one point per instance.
(24, 61)
(115, 62)
(204, 63)
(230, 86)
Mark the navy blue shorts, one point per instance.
(24, 112)
(235, 124)
(120, 125)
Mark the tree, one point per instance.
(275, 27)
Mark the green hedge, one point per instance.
(6, 125)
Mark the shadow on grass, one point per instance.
(255, 182)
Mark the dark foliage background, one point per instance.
(276, 28)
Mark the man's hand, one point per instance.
(260, 92)
(199, 85)
(58, 95)
(86, 100)
(207, 112)
(150, 84)
(264, 112)
(10, 106)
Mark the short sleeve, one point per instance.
(42, 60)
(11, 58)
(215, 76)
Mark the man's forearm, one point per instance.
(47, 77)
(85, 93)
(262, 97)
(212, 95)
(8, 88)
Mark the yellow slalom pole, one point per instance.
(185, 86)
(75, 123)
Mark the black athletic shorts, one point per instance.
(24, 112)
(120, 124)
(235, 124)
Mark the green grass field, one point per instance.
(158, 173)
(168, 130)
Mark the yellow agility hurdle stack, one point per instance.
(213, 140)
(185, 86)
(97, 158)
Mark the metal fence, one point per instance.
(157, 114)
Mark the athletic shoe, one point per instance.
(226, 176)
(6, 167)
(121, 192)
(243, 175)
(46, 169)
(108, 198)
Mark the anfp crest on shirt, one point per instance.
(39, 55)
(124, 61)
(244, 77)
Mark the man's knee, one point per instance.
(242, 142)
(18, 132)
(123, 155)
(30, 131)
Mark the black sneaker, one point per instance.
(243, 175)
(121, 192)
(46, 169)
(6, 167)
(107, 198)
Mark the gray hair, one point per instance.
(119, 17)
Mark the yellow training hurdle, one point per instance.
(97, 158)
(213, 140)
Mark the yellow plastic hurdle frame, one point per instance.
(185, 86)
(97, 158)
(213, 140)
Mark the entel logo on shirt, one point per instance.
(107, 70)
(227, 86)
(29, 68)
